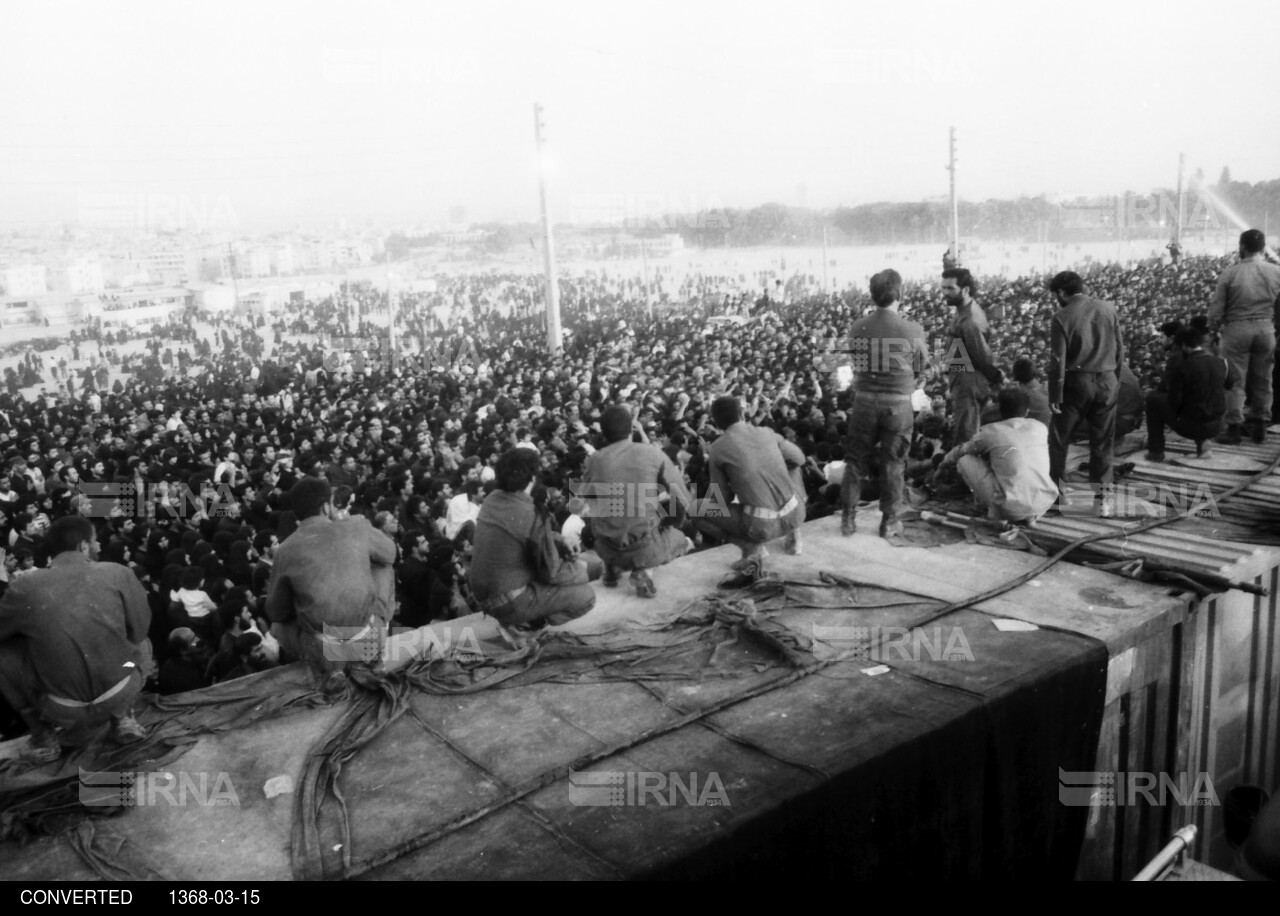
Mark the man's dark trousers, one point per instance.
(1089, 397)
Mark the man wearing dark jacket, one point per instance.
(1196, 402)
(1086, 353)
(972, 371)
(417, 579)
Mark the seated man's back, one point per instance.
(83, 623)
(327, 570)
(330, 574)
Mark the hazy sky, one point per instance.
(276, 113)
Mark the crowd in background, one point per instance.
(182, 451)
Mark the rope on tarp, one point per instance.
(379, 701)
(52, 806)
(111, 856)
(383, 697)
(555, 774)
(549, 777)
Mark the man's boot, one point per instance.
(43, 745)
(793, 545)
(891, 528)
(751, 557)
(643, 584)
(1257, 431)
(126, 729)
(610, 577)
(848, 522)
(1232, 435)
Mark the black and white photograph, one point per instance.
(680, 441)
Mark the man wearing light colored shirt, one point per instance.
(757, 493)
(1006, 464)
(463, 508)
(1244, 307)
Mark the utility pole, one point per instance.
(825, 259)
(231, 262)
(548, 246)
(955, 204)
(1177, 231)
(353, 305)
(644, 261)
(1122, 207)
(391, 316)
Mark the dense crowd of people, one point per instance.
(183, 454)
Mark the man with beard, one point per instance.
(968, 355)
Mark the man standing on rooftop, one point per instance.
(1243, 310)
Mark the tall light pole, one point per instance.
(824, 259)
(548, 245)
(1177, 231)
(644, 261)
(955, 203)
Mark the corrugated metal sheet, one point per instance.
(1239, 537)
(1226, 664)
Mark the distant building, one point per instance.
(315, 256)
(25, 280)
(170, 266)
(252, 261)
(212, 297)
(283, 261)
(661, 247)
(353, 253)
(79, 275)
(142, 306)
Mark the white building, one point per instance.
(284, 261)
(253, 261)
(316, 256)
(212, 297)
(26, 280)
(84, 275)
(353, 252)
(169, 266)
